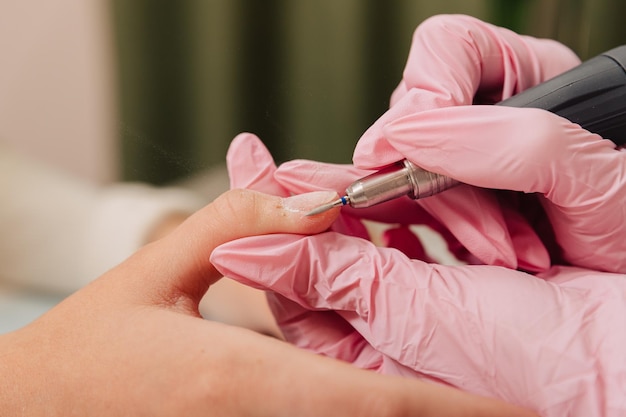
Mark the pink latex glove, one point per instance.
(459, 60)
(578, 175)
(554, 345)
(251, 165)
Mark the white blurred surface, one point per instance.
(20, 307)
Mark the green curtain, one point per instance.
(307, 76)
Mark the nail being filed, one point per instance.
(325, 207)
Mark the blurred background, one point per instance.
(307, 76)
(153, 91)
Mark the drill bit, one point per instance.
(325, 207)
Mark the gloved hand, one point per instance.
(578, 175)
(458, 60)
(553, 344)
(250, 165)
(584, 220)
(538, 342)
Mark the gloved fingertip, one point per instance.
(495, 254)
(250, 165)
(487, 248)
(250, 260)
(532, 255)
(533, 262)
(241, 144)
(475, 219)
(225, 258)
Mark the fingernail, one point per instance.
(304, 203)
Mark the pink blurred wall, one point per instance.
(57, 84)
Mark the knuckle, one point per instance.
(238, 209)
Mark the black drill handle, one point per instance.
(593, 95)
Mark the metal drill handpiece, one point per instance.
(426, 183)
(402, 178)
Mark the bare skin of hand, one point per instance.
(133, 342)
(228, 301)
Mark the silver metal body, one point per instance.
(399, 179)
(396, 180)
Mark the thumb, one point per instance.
(178, 265)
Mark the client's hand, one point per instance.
(132, 342)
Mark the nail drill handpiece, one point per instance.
(592, 95)
(396, 180)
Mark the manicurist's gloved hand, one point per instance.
(575, 175)
(578, 176)
(458, 60)
(542, 342)
(552, 343)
